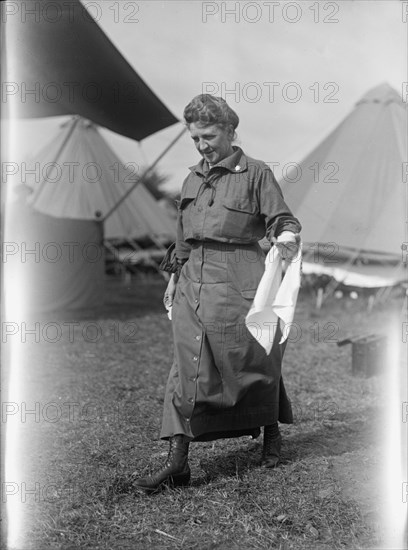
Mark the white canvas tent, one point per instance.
(82, 180)
(87, 182)
(78, 71)
(350, 196)
(59, 262)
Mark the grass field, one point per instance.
(98, 389)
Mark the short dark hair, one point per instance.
(206, 109)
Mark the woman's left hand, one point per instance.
(288, 245)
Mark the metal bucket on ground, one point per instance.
(368, 354)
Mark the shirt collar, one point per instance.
(236, 163)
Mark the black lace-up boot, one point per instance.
(271, 446)
(176, 471)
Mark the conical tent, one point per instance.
(350, 196)
(64, 230)
(89, 179)
(58, 61)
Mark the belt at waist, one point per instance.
(227, 253)
(221, 246)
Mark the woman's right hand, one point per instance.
(170, 291)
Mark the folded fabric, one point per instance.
(275, 299)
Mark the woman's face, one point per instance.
(212, 142)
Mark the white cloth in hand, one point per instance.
(275, 299)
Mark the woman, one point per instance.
(222, 384)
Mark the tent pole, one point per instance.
(149, 169)
(75, 121)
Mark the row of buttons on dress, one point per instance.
(193, 378)
(195, 357)
(196, 299)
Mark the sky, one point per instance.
(291, 70)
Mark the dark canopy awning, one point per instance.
(58, 62)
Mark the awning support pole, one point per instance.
(149, 169)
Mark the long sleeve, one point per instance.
(272, 206)
(182, 247)
(179, 251)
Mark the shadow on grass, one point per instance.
(332, 439)
(326, 441)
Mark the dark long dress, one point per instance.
(222, 383)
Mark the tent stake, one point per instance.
(319, 298)
(149, 169)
